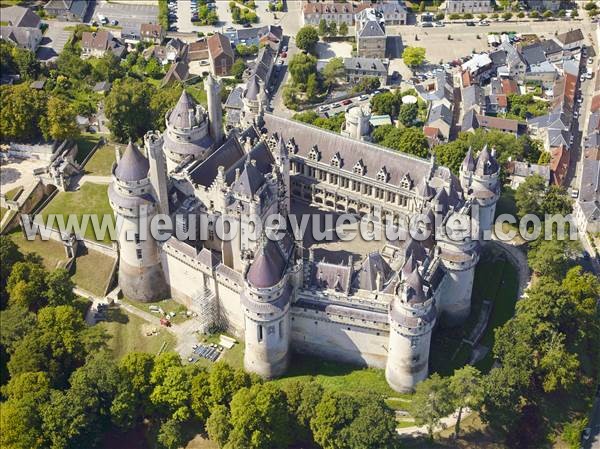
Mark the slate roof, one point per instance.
(249, 181)
(253, 89)
(264, 63)
(440, 112)
(180, 116)
(373, 266)
(372, 28)
(365, 64)
(19, 16)
(226, 155)
(570, 37)
(132, 166)
(268, 266)
(550, 47)
(473, 96)
(533, 54)
(19, 36)
(351, 151)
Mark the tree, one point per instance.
(302, 399)
(408, 114)
(323, 29)
(225, 382)
(170, 435)
(422, 6)
(413, 56)
(9, 255)
(21, 112)
(343, 29)
(108, 67)
(406, 140)
(27, 63)
(431, 402)
(551, 257)
(374, 426)
(238, 68)
(218, 425)
(333, 30)
(501, 403)
(162, 100)
(154, 69)
(333, 70)
(59, 288)
(333, 414)
(312, 87)
(127, 107)
(301, 67)
(465, 385)
(59, 123)
(26, 285)
(259, 418)
(65, 421)
(17, 321)
(530, 195)
(171, 395)
(307, 38)
(507, 15)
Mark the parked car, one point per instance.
(114, 22)
(283, 54)
(470, 24)
(284, 48)
(346, 102)
(363, 97)
(438, 24)
(575, 193)
(335, 105)
(426, 24)
(586, 433)
(323, 108)
(484, 23)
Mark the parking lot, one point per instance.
(54, 40)
(127, 14)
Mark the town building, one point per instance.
(544, 5)
(282, 295)
(519, 171)
(357, 69)
(96, 43)
(370, 34)
(152, 32)
(314, 12)
(68, 10)
(587, 207)
(21, 27)
(467, 6)
(571, 41)
(221, 54)
(255, 36)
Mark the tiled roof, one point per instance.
(19, 16)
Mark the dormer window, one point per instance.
(359, 168)
(336, 161)
(406, 182)
(314, 154)
(382, 175)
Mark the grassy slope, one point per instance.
(101, 162)
(85, 143)
(52, 252)
(92, 271)
(90, 199)
(128, 334)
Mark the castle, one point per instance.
(376, 308)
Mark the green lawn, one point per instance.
(197, 92)
(85, 143)
(13, 194)
(495, 280)
(89, 199)
(339, 376)
(3, 212)
(128, 334)
(51, 251)
(100, 164)
(92, 272)
(168, 306)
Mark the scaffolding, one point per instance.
(205, 305)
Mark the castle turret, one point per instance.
(158, 170)
(357, 124)
(266, 303)
(253, 100)
(215, 113)
(187, 136)
(412, 316)
(131, 198)
(480, 181)
(459, 254)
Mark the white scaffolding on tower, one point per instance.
(205, 305)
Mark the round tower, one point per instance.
(480, 180)
(130, 195)
(187, 133)
(253, 99)
(266, 303)
(412, 316)
(215, 115)
(459, 254)
(357, 124)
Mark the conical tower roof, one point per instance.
(468, 163)
(133, 166)
(180, 116)
(486, 163)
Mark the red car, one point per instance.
(346, 102)
(283, 54)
